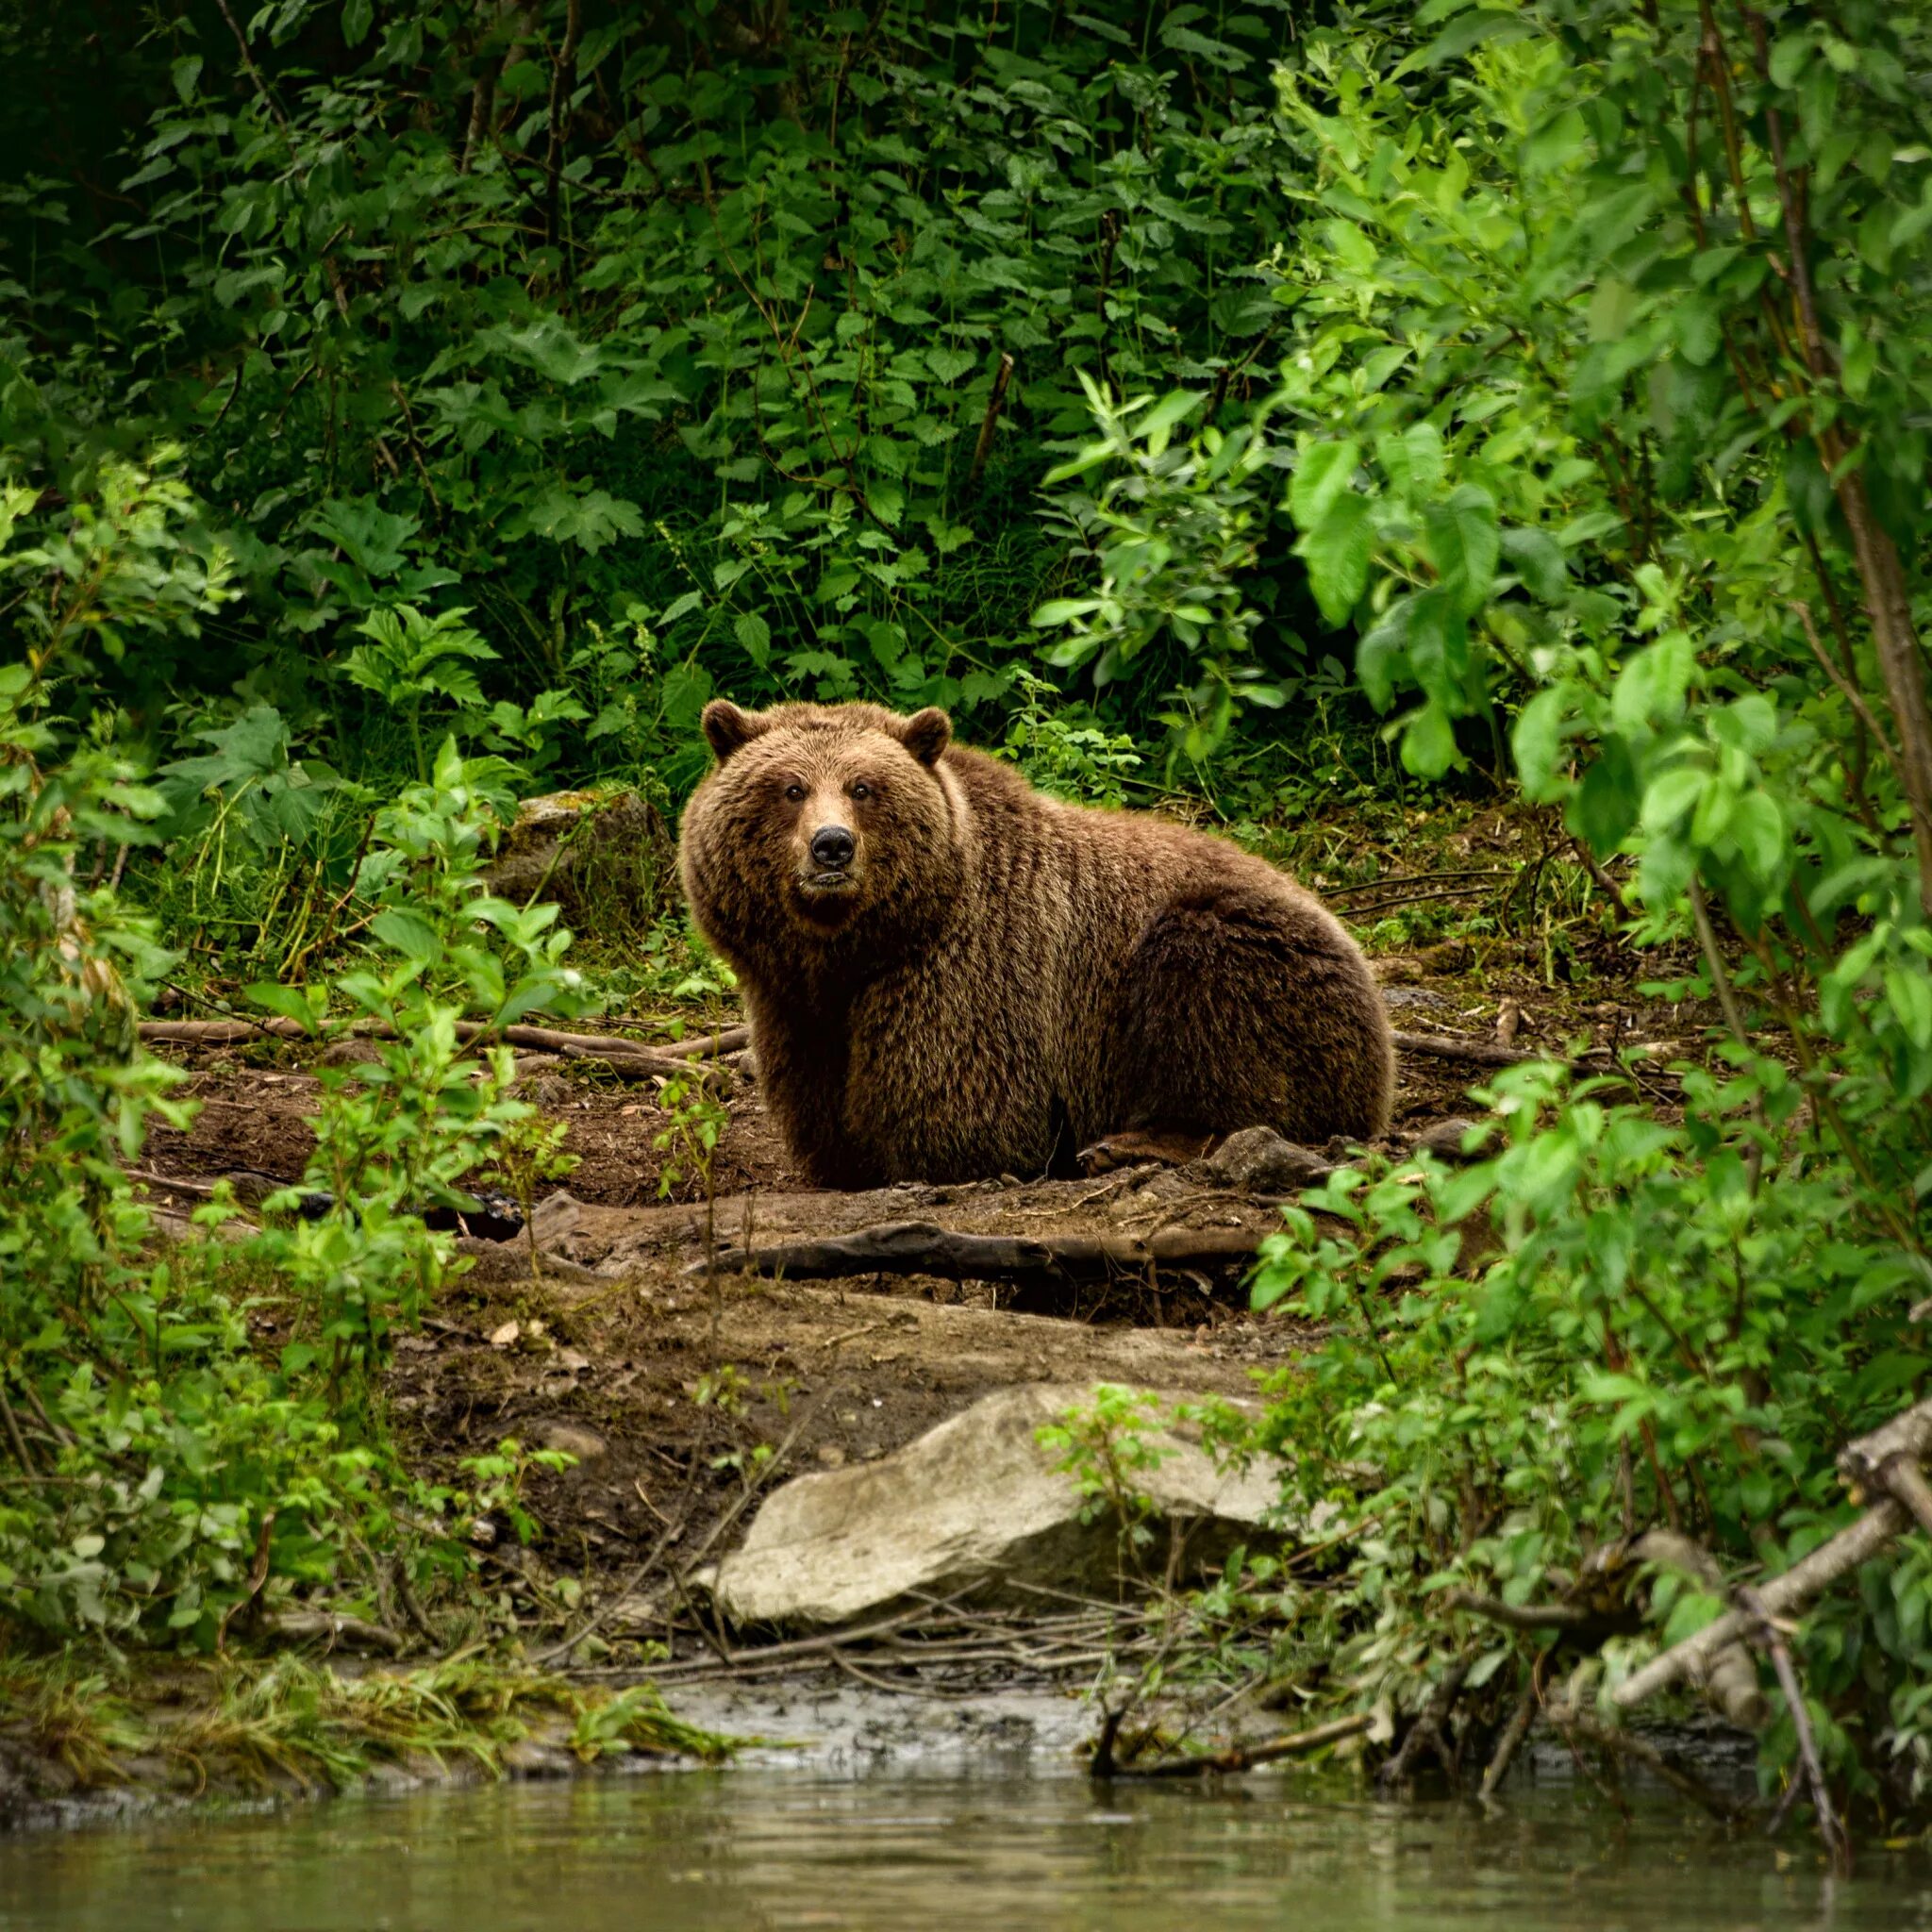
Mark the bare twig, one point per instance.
(1521, 1616)
(1768, 1634)
(674, 1059)
(1509, 1744)
(983, 448)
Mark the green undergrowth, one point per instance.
(233, 1727)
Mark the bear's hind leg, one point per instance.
(1241, 1007)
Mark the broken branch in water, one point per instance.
(1574, 1724)
(1237, 1758)
(1887, 1458)
(923, 1247)
(1781, 1596)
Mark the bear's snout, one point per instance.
(832, 848)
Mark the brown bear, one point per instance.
(950, 976)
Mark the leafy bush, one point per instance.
(1613, 428)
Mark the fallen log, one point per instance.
(674, 1057)
(708, 1046)
(1525, 1616)
(334, 1629)
(1729, 1680)
(923, 1247)
(1476, 1053)
(1491, 1053)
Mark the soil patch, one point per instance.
(670, 1383)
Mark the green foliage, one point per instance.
(696, 1120)
(252, 1728)
(1173, 533)
(1101, 1447)
(166, 1471)
(499, 1478)
(1061, 755)
(1607, 378)
(509, 383)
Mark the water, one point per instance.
(758, 1849)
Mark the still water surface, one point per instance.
(754, 1850)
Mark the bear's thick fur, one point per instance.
(968, 978)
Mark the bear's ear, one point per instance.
(729, 729)
(926, 734)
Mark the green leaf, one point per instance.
(1653, 683)
(407, 933)
(1672, 795)
(358, 17)
(1337, 552)
(1428, 743)
(1759, 826)
(1537, 742)
(1465, 544)
(1538, 559)
(1604, 807)
(304, 1004)
(1320, 478)
(1065, 610)
(754, 636)
(1155, 428)
(1464, 35)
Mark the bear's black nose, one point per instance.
(832, 847)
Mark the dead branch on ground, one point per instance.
(923, 1247)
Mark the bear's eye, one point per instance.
(795, 792)
(861, 789)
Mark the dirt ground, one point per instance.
(667, 1383)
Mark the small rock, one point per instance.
(1420, 998)
(1444, 1139)
(350, 1053)
(831, 1456)
(506, 1336)
(526, 1758)
(587, 1445)
(1452, 956)
(555, 1216)
(1258, 1161)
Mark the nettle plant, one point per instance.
(1172, 535)
(454, 965)
(1609, 390)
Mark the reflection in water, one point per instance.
(755, 1849)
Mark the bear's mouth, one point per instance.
(831, 883)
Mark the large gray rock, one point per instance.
(977, 1501)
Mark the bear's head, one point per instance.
(821, 824)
